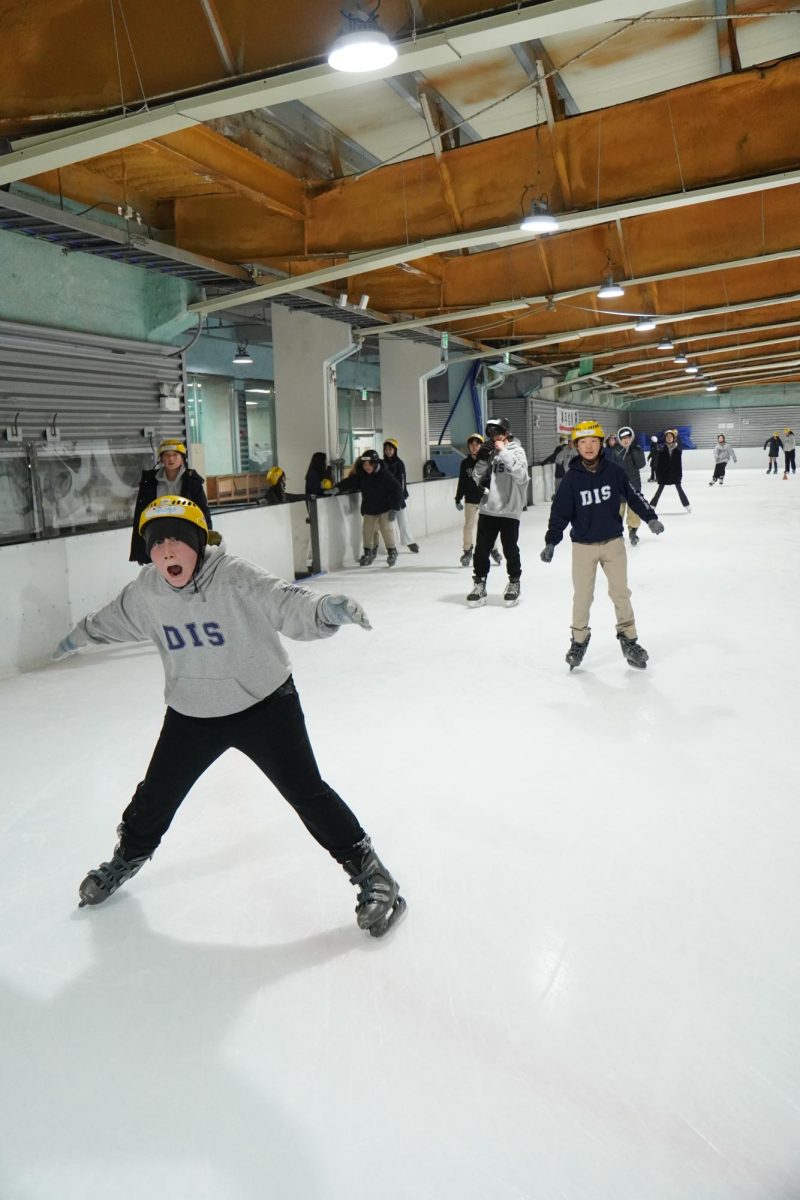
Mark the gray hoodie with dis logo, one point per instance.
(218, 636)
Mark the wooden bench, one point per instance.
(246, 488)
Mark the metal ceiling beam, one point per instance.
(375, 260)
(409, 87)
(444, 47)
(218, 33)
(444, 318)
(527, 54)
(712, 369)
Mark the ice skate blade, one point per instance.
(382, 927)
(511, 603)
(476, 603)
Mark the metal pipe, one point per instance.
(330, 393)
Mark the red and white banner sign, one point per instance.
(566, 419)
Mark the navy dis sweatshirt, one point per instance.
(590, 501)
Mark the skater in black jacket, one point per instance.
(652, 458)
(591, 499)
(171, 476)
(381, 498)
(631, 460)
(669, 469)
(773, 446)
(393, 463)
(468, 496)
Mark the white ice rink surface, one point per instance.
(595, 994)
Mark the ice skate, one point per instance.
(477, 596)
(785, 475)
(413, 547)
(391, 557)
(711, 484)
(109, 876)
(496, 557)
(687, 508)
(634, 654)
(576, 652)
(379, 904)
(511, 594)
(466, 557)
(633, 535)
(367, 558)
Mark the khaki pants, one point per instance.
(470, 521)
(634, 521)
(372, 525)
(585, 561)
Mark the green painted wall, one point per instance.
(42, 285)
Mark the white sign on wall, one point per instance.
(566, 419)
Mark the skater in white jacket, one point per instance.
(502, 466)
(723, 454)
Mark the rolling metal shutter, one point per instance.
(88, 386)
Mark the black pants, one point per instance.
(789, 462)
(273, 735)
(684, 499)
(488, 529)
(719, 470)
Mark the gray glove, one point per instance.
(341, 610)
(655, 526)
(547, 553)
(459, 506)
(64, 648)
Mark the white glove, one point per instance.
(341, 610)
(64, 648)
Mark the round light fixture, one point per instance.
(644, 324)
(711, 387)
(680, 359)
(539, 219)
(691, 369)
(610, 290)
(242, 355)
(665, 344)
(363, 47)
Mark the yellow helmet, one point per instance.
(588, 429)
(390, 442)
(177, 507)
(326, 485)
(172, 444)
(475, 437)
(274, 475)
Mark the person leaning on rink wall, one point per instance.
(170, 475)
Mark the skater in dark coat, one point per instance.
(773, 447)
(652, 458)
(632, 460)
(669, 469)
(591, 500)
(468, 496)
(381, 499)
(789, 448)
(560, 458)
(319, 478)
(397, 467)
(171, 476)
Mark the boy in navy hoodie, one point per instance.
(590, 499)
(215, 620)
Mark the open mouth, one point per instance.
(174, 570)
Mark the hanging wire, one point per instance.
(133, 56)
(675, 144)
(116, 51)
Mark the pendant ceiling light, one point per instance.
(691, 369)
(665, 344)
(539, 219)
(609, 290)
(680, 359)
(711, 387)
(362, 45)
(644, 324)
(242, 355)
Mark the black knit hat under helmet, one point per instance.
(173, 527)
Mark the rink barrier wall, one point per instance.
(45, 587)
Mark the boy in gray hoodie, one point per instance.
(502, 468)
(214, 620)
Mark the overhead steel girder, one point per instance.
(408, 87)
(447, 47)
(360, 264)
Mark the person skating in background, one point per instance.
(397, 467)
(276, 488)
(381, 498)
(501, 467)
(631, 460)
(215, 620)
(319, 478)
(613, 448)
(652, 458)
(789, 447)
(773, 447)
(723, 454)
(171, 475)
(591, 500)
(468, 496)
(669, 469)
(560, 459)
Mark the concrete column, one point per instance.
(301, 343)
(403, 406)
